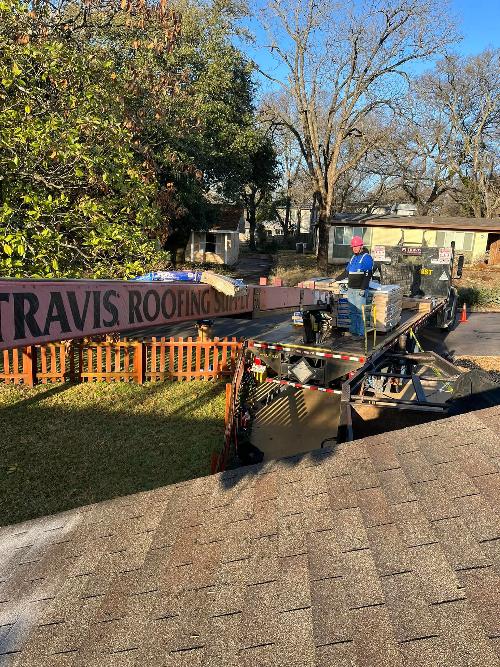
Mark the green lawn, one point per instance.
(64, 446)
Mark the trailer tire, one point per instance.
(452, 319)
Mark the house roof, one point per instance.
(384, 552)
(229, 218)
(417, 222)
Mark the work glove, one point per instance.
(362, 292)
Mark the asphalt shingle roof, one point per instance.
(418, 222)
(382, 553)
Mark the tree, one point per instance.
(117, 122)
(345, 67)
(74, 199)
(261, 167)
(466, 91)
(292, 165)
(190, 105)
(416, 159)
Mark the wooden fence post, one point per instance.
(228, 402)
(139, 362)
(29, 365)
(75, 349)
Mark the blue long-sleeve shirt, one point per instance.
(358, 271)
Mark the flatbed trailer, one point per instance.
(393, 373)
(281, 349)
(386, 370)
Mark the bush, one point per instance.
(479, 296)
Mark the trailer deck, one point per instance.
(286, 336)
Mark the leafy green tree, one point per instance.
(257, 175)
(189, 102)
(118, 124)
(74, 199)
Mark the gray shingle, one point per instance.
(411, 616)
(331, 617)
(374, 622)
(361, 580)
(388, 549)
(374, 507)
(396, 486)
(384, 552)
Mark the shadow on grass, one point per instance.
(69, 446)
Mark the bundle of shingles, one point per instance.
(387, 300)
(388, 303)
(224, 284)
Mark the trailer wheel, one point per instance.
(449, 316)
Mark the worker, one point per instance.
(358, 272)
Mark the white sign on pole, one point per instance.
(378, 253)
(444, 255)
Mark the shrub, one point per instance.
(479, 296)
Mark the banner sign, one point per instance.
(34, 312)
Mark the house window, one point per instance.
(463, 240)
(469, 241)
(458, 237)
(210, 242)
(343, 235)
(339, 236)
(441, 239)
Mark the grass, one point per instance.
(293, 268)
(65, 445)
(480, 287)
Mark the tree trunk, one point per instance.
(286, 226)
(251, 219)
(323, 238)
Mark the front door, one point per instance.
(494, 243)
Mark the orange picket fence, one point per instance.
(120, 361)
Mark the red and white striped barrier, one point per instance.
(297, 385)
(309, 352)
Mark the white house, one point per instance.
(221, 243)
(301, 222)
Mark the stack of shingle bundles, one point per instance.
(330, 285)
(342, 308)
(388, 302)
(224, 284)
(310, 283)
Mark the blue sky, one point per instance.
(480, 24)
(478, 21)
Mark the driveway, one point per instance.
(252, 265)
(479, 336)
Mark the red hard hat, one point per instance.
(356, 241)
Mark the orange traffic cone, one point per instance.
(463, 316)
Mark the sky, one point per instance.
(480, 24)
(478, 21)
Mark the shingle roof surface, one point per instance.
(382, 553)
(418, 221)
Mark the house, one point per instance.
(221, 243)
(477, 239)
(394, 209)
(302, 218)
(381, 551)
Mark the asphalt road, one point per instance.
(480, 336)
